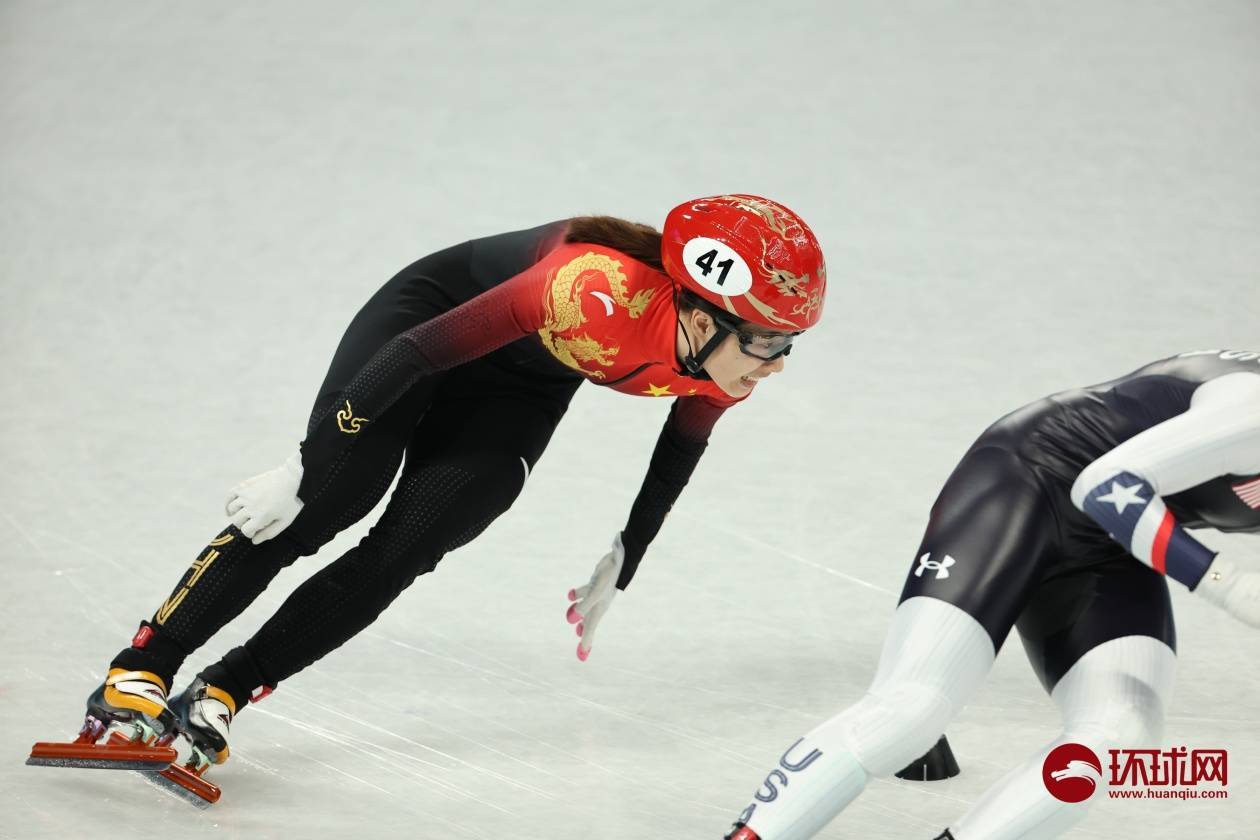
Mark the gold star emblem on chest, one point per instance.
(658, 391)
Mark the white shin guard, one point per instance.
(934, 658)
(1115, 695)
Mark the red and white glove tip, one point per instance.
(591, 600)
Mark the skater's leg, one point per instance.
(469, 463)
(1102, 642)
(1115, 695)
(230, 572)
(988, 540)
(934, 658)
(437, 506)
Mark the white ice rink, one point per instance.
(1014, 198)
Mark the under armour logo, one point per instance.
(941, 567)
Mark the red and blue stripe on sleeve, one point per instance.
(1129, 510)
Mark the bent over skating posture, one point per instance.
(1041, 526)
(465, 362)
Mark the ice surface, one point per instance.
(1014, 198)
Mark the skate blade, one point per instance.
(111, 756)
(177, 779)
(184, 783)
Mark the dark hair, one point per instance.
(640, 242)
(686, 300)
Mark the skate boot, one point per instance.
(204, 715)
(136, 700)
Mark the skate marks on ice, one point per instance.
(531, 692)
(554, 750)
(696, 521)
(387, 763)
(397, 760)
(89, 604)
(716, 526)
(507, 674)
(552, 774)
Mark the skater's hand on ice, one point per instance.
(266, 504)
(592, 599)
(1233, 590)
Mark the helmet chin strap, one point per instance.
(693, 361)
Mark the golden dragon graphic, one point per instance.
(564, 311)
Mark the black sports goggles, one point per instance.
(764, 346)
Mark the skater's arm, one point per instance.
(497, 317)
(678, 449)
(1218, 435)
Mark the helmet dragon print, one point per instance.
(748, 255)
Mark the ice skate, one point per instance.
(202, 715)
(205, 713)
(134, 702)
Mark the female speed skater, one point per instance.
(465, 362)
(1038, 527)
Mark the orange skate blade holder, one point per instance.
(119, 753)
(188, 784)
(179, 779)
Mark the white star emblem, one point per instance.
(1122, 497)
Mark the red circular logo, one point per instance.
(1072, 772)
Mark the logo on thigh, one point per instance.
(941, 567)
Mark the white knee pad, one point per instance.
(934, 659)
(887, 731)
(1116, 694)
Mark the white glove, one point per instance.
(266, 504)
(1236, 592)
(592, 599)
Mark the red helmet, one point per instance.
(750, 256)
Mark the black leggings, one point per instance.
(1009, 549)
(470, 436)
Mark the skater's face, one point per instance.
(735, 366)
